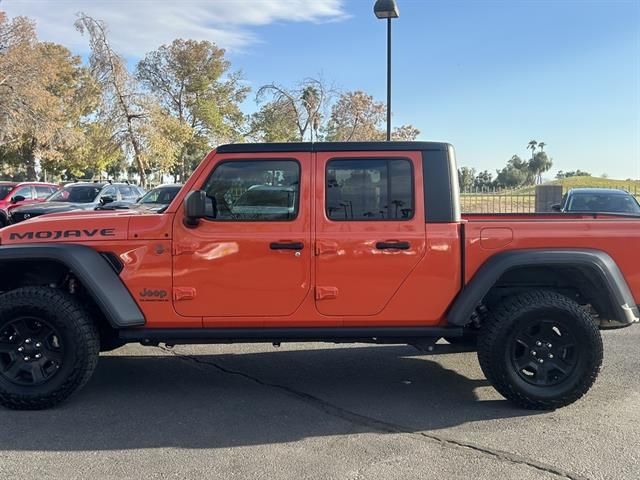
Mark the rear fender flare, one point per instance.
(599, 263)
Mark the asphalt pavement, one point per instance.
(319, 411)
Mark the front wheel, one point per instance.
(540, 350)
(48, 347)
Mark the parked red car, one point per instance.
(14, 194)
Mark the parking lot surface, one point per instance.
(320, 411)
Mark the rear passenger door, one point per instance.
(370, 229)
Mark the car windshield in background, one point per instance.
(160, 196)
(76, 194)
(603, 202)
(4, 191)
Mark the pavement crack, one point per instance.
(381, 425)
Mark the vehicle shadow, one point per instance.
(217, 401)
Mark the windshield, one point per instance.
(76, 194)
(160, 196)
(4, 191)
(603, 202)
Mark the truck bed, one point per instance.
(617, 235)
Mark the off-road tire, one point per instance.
(495, 349)
(78, 334)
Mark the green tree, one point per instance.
(484, 180)
(273, 123)
(514, 174)
(466, 178)
(194, 83)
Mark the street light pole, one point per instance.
(389, 79)
(387, 9)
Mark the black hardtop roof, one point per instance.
(330, 147)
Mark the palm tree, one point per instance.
(541, 146)
(533, 170)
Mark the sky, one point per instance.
(484, 75)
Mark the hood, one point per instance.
(51, 207)
(76, 227)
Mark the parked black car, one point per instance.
(598, 200)
(154, 200)
(78, 196)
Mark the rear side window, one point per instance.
(128, 193)
(43, 192)
(248, 190)
(369, 189)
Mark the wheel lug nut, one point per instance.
(549, 345)
(21, 349)
(38, 345)
(26, 359)
(538, 343)
(534, 353)
(551, 355)
(541, 360)
(38, 355)
(28, 340)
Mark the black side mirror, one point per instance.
(105, 200)
(556, 207)
(17, 198)
(194, 208)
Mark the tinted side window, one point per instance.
(23, 192)
(109, 192)
(128, 193)
(260, 190)
(43, 192)
(369, 189)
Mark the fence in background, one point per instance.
(523, 200)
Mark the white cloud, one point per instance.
(138, 26)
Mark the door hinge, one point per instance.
(326, 247)
(184, 293)
(326, 293)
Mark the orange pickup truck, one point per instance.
(336, 242)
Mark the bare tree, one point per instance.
(120, 98)
(306, 102)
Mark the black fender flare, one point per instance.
(92, 270)
(597, 262)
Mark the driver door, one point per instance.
(251, 257)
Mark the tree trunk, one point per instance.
(29, 155)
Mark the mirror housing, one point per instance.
(194, 208)
(556, 207)
(105, 200)
(17, 198)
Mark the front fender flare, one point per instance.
(597, 262)
(93, 271)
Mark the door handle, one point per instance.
(286, 246)
(393, 245)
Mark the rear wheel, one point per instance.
(540, 350)
(48, 347)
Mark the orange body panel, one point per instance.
(224, 274)
(618, 237)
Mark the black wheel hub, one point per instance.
(544, 352)
(31, 351)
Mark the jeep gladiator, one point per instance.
(335, 242)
